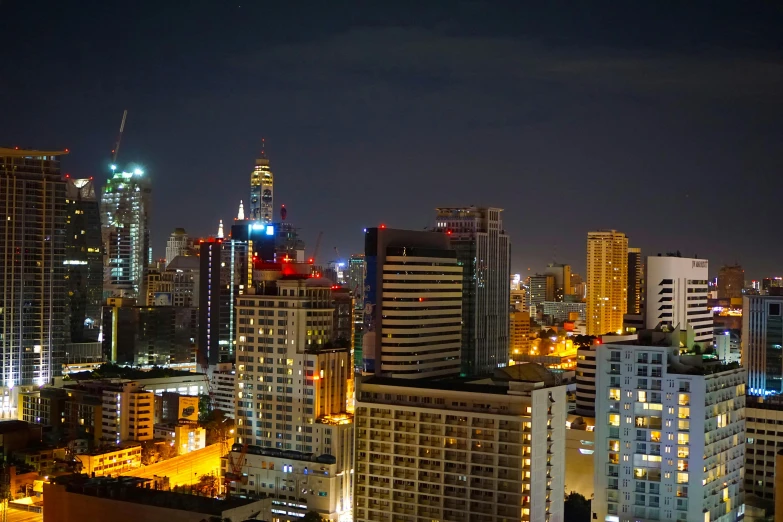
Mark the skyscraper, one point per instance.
(541, 289)
(125, 213)
(33, 298)
(677, 289)
(83, 260)
(607, 280)
(483, 248)
(412, 304)
(261, 191)
(635, 281)
(562, 280)
(224, 275)
(762, 338)
(731, 281)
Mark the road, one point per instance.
(16, 515)
(185, 469)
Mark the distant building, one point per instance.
(179, 244)
(519, 334)
(125, 215)
(261, 191)
(222, 379)
(483, 250)
(176, 285)
(106, 462)
(607, 280)
(731, 281)
(413, 328)
(518, 300)
(762, 338)
(636, 288)
(84, 260)
(541, 289)
(413, 438)
(771, 285)
(558, 312)
(562, 275)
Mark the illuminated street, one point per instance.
(185, 469)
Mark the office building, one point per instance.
(179, 244)
(764, 417)
(770, 285)
(541, 288)
(357, 268)
(607, 280)
(224, 274)
(33, 295)
(670, 435)
(487, 450)
(635, 288)
(261, 191)
(176, 285)
(676, 295)
(222, 382)
(558, 312)
(302, 383)
(125, 215)
(762, 338)
(562, 281)
(731, 281)
(519, 334)
(518, 299)
(149, 335)
(83, 260)
(483, 249)
(412, 304)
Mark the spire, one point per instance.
(263, 147)
(241, 214)
(220, 230)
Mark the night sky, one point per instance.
(660, 120)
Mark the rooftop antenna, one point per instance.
(116, 149)
(263, 147)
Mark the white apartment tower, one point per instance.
(677, 295)
(607, 280)
(483, 249)
(482, 451)
(412, 304)
(292, 394)
(670, 435)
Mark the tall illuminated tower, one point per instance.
(125, 210)
(33, 297)
(607, 281)
(261, 190)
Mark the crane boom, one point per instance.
(317, 247)
(116, 149)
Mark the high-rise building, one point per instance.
(607, 279)
(672, 435)
(261, 191)
(298, 393)
(519, 334)
(635, 281)
(483, 249)
(762, 338)
(676, 295)
(771, 286)
(562, 280)
(357, 269)
(175, 285)
(33, 298)
(125, 214)
(83, 259)
(541, 288)
(579, 286)
(224, 274)
(178, 244)
(412, 304)
(731, 281)
(490, 450)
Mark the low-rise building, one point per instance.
(222, 380)
(111, 462)
(184, 437)
(77, 498)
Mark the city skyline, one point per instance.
(340, 124)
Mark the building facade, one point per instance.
(125, 215)
(178, 244)
(677, 289)
(670, 436)
(519, 334)
(562, 281)
(483, 451)
(261, 191)
(541, 288)
(413, 304)
(33, 294)
(483, 249)
(762, 338)
(607, 279)
(83, 260)
(636, 285)
(731, 281)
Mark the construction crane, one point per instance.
(116, 149)
(317, 248)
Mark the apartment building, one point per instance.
(670, 434)
(460, 450)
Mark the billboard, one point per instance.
(188, 408)
(162, 299)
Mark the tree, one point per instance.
(312, 516)
(576, 508)
(207, 485)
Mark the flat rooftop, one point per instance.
(140, 491)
